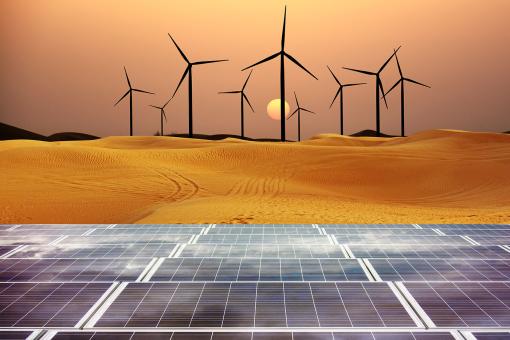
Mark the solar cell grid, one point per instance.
(14, 335)
(263, 251)
(5, 249)
(429, 251)
(281, 305)
(491, 240)
(491, 335)
(26, 239)
(269, 225)
(254, 336)
(263, 239)
(44, 232)
(96, 251)
(265, 230)
(69, 270)
(467, 226)
(477, 232)
(464, 304)
(129, 239)
(168, 226)
(238, 269)
(441, 269)
(381, 231)
(369, 226)
(146, 231)
(29, 305)
(376, 239)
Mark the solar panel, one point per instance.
(464, 304)
(43, 232)
(294, 304)
(429, 251)
(491, 240)
(263, 239)
(441, 269)
(477, 232)
(254, 335)
(5, 249)
(248, 230)
(262, 251)
(168, 226)
(382, 231)
(238, 269)
(374, 238)
(467, 226)
(62, 250)
(491, 335)
(26, 239)
(14, 335)
(47, 304)
(69, 270)
(123, 239)
(369, 227)
(146, 231)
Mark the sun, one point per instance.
(273, 109)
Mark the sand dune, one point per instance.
(439, 176)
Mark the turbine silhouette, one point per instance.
(162, 113)
(340, 93)
(298, 110)
(188, 72)
(402, 82)
(243, 98)
(378, 85)
(130, 92)
(282, 54)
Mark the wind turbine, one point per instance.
(162, 113)
(298, 110)
(130, 92)
(340, 93)
(282, 54)
(243, 98)
(378, 85)
(188, 72)
(402, 81)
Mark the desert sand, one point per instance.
(439, 176)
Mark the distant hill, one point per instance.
(12, 132)
(370, 133)
(8, 132)
(223, 136)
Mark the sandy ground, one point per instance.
(439, 176)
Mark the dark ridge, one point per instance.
(507, 132)
(70, 136)
(8, 132)
(370, 133)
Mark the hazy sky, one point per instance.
(61, 63)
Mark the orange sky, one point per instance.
(61, 63)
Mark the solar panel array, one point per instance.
(300, 281)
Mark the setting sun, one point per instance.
(273, 109)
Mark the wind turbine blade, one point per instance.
(284, 24)
(182, 78)
(156, 107)
(263, 60)
(382, 91)
(336, 95)
(336, 79)
(118, 101)
(127, 77)
(246, 82)
(306, 110)
(298, 64)
(354, 84)
(164, 114)
(398, 64)
(293, 113)
(416, 82)
(295, 97)
(208, 62)
(248, 101)
(168, 101)
(360, 71)
(387, 61)
(398, 82)
(142, 91)
(225, 92)
(179, 49)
